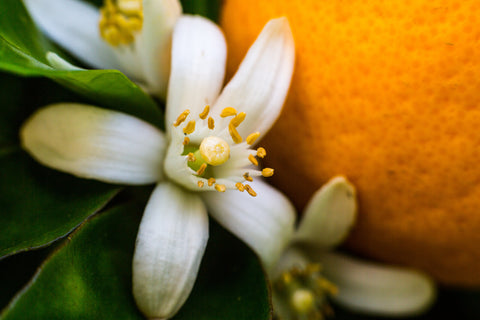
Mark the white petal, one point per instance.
(74, 25)
(154, 42)
(378, 289)
(170, 244)
(197, 68)
(329, 215)
(264, 222)
(96, 143)
(59, 63)
(260, 85)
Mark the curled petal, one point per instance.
(378, 289)
(74, 25)
(264, 222)
(261, 83)
(197, 68)
(96, 143)
(329, 215)
(170, 244)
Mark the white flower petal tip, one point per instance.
(170, 244)
(198, 66)
(59, 63)
(260, 85)
(95, 143)
(329, 215)
(377, 289)
(264, 222)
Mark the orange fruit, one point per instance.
(387, 93)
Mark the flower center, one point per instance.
(304, 292)
(214, 150)
(213, 154)
(119, 20)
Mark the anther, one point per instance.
(190, 127)
(238, 119)
(240, 186)
(202, 169)
(211, 181)
(252, 137)
(267, 172)
(261, 152)
(227, 112)
(253, 160)
(247, 177)
(234, 133)
(200, 184)
(181, 118)
(220, 187)
(205, 112)
(250, 191)
(191, 157)
(211, 123)
(186, 141)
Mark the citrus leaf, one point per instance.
(23, 51)
(206, 8)
(40, 205)
(89, 277)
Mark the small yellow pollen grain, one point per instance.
(227, 112)
(253, 160)
(202, 169)
(286, 278)
(234, 133)
(261, 152)
(191, 157)
(238, 119)
(247, 177)
(190, 127)
(220, 188)
(252, 137)
(186, 141)
(211, 123)
(211, 181)
(267, 172)
(240, 186)
(200, 184)
(205, 112)
(250, 190)
(181, 118)
(312, 268)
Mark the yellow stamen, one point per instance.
(191, 157)
(220, 188)
(261, 152)
(240, 186)
(186, 141)
(267, 172)
(202, 169)
(211, 181)
(190, 127)
(247, 177)
(181, 118)
(234, 133)
(238, 119)
(227, 112)
(250, 191)
(120, 20)
(252, 137)
(253, 159)
(205, 112)
(200, 184)
(211, 123)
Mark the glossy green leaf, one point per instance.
(90, 277)
(40, 205)
(206, 8)
(23, 50)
